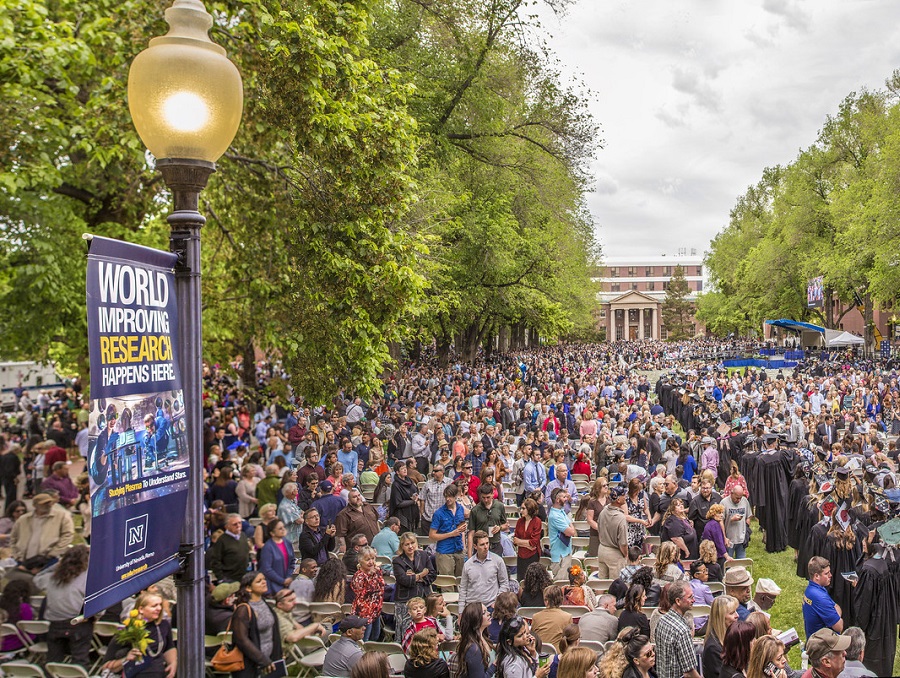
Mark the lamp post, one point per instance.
(186, 100)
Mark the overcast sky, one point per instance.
(696, 97)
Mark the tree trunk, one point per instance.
(248, 374)
(868, 319)
(443, 351)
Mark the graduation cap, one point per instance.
(890, 532)
(882, 504)
(828, 506)
(842, 515)
(842, 472)
(236, 444)
(824, 483)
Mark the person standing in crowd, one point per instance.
(700, 505)
(315, 542)
(674, 644)
(560, 481)
(484, 575)
(368, 591)
(254, 627)
(737, 520)
(723, 613)
(289, 512)
(590, 510)
(447, 526)
(517, 655)
(819, 610)
(404, 500)
(64, 587)
(431, 497)
(387, 542)
(534, 474)
(854, 666)
(560, 532)
(356, 518)
(600, 625)
(229, 556)
(487, 516)
(473, 650)
(527, 537)
(10, 469)
(736, 651)
(612, 531)
(276, 558)
(414, 570)
(827, 652)
(46, 530)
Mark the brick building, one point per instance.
(634, 288)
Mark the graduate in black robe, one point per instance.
(813, 545)
(842, 560)
(799, 517)
(772, 473)
(875, 601)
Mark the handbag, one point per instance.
(228, 660)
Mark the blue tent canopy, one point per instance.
(795, 325)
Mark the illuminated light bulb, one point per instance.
(186, 112)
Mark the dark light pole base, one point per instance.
(186, 178)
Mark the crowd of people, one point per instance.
(550, 513)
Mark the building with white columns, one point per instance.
(633, 290)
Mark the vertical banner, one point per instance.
(138, 452)
(815, 292)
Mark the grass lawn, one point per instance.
(787, 611)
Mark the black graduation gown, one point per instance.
(875, 602)
(772, 473)
(843, 560)
(799, 517)
(813, 545)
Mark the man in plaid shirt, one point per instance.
(675, 656)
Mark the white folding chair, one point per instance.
(28, 630)
(57, 670)
(22, 670)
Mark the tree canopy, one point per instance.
(404, 171)
(831, 212)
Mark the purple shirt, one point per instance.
(66, 488)
(713, 532)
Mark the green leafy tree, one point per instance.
(677, 311)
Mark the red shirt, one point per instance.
(55, 454)
(532, 533)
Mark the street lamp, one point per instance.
(186, 100)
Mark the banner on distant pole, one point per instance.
(138, 451)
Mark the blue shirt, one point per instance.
(349, 460)
(535, 475)
(818, 609)
(558, 522)
(444, 520)
(386, 543)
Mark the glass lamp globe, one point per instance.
(185, 96)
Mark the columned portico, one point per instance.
(633, 316)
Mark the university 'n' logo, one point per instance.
(136, 534)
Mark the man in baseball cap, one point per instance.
(827, 652)
(346, 651)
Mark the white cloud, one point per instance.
(696, 98)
